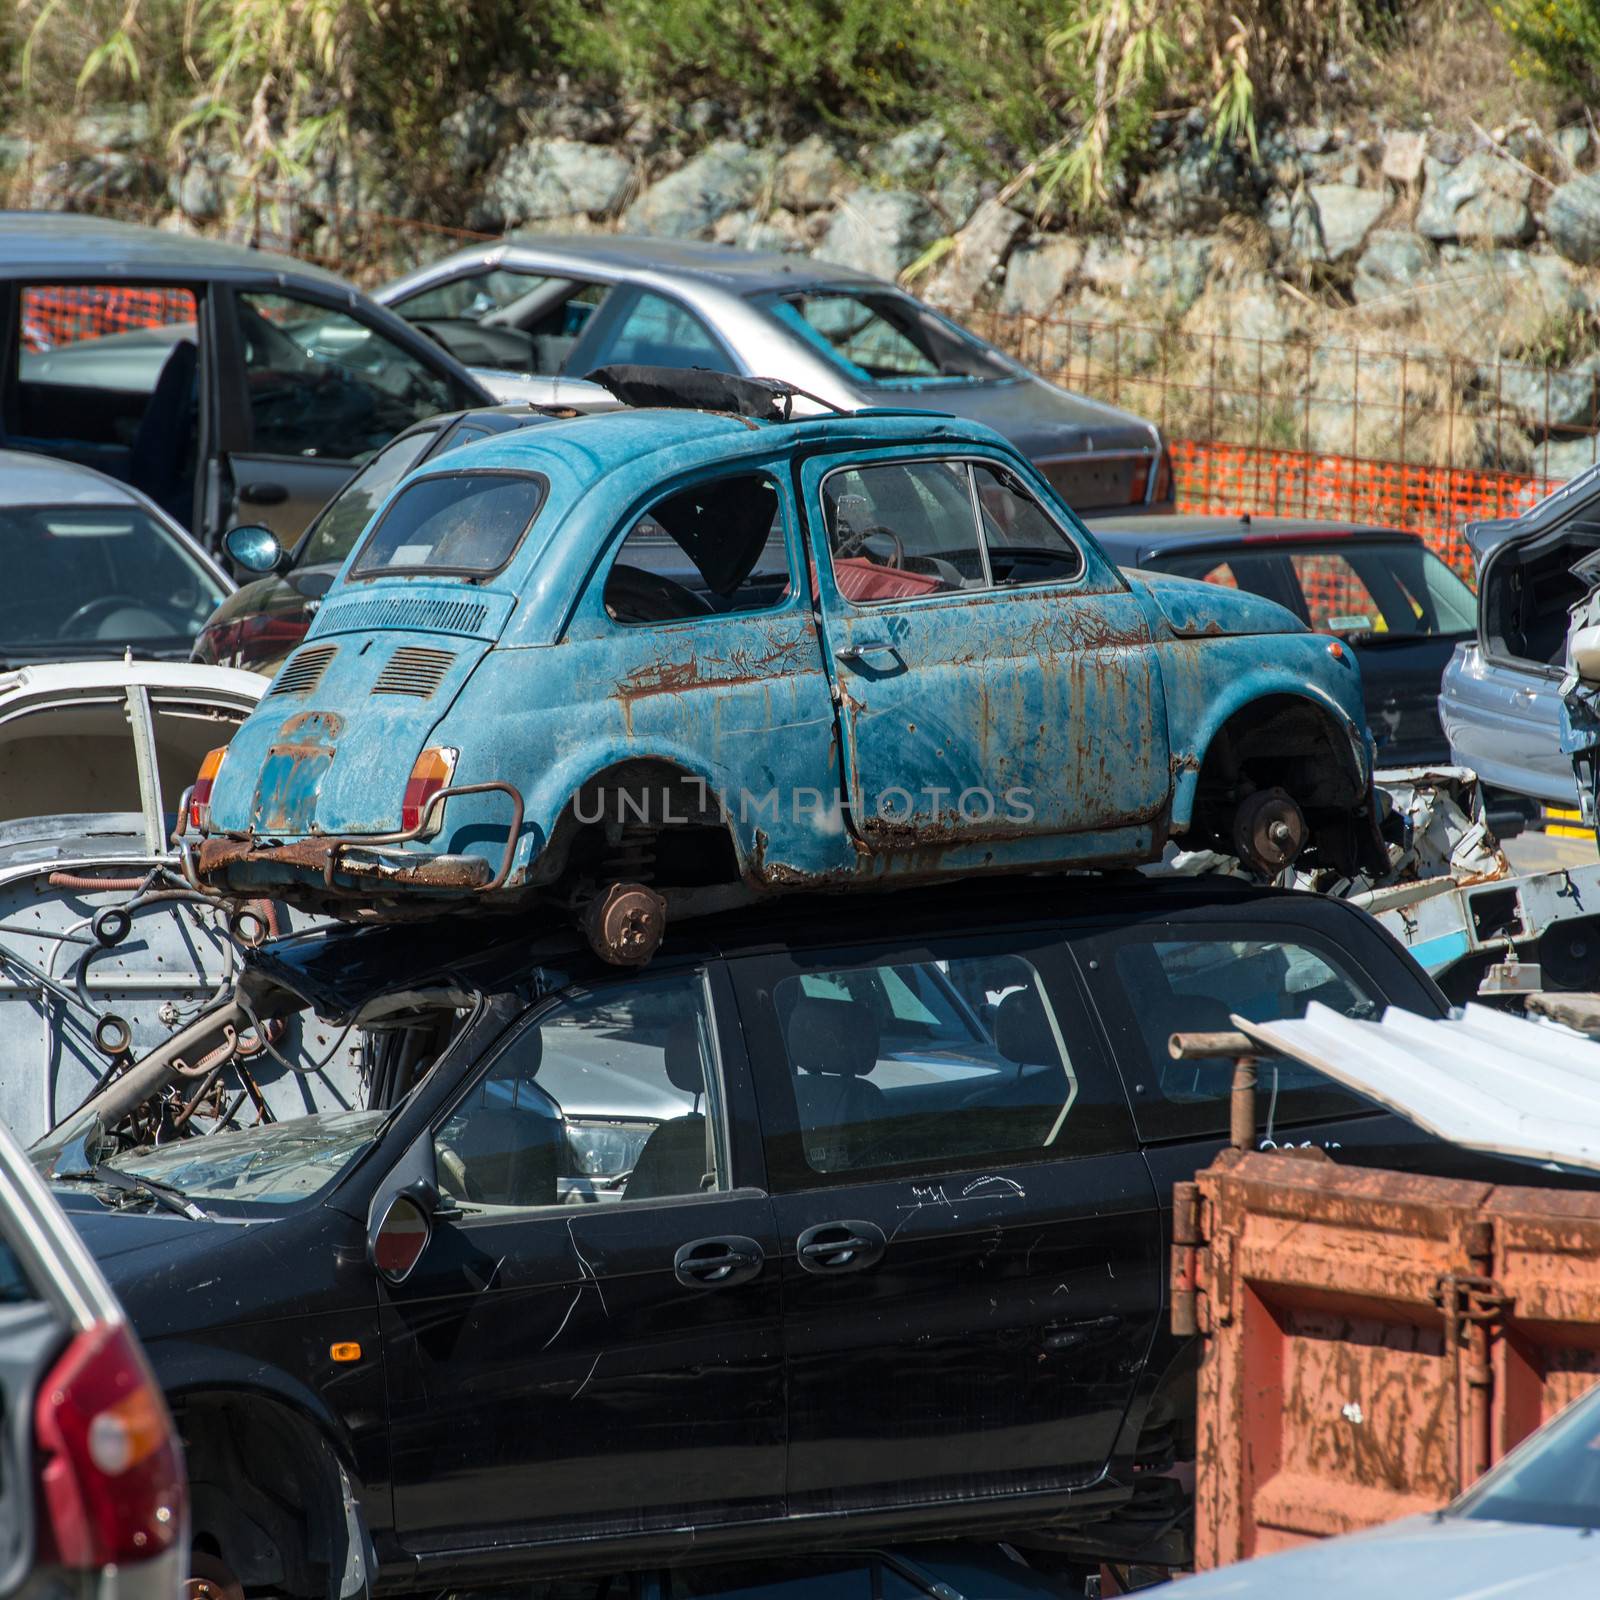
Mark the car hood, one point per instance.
(1195, 609)
(1038, 418)
(114, 1238)
(1422, 1558)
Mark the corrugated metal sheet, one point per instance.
(1480, 1078)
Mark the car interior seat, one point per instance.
(675, 1159)
(833, 1045)
(163, 440)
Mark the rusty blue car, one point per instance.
(648, 662)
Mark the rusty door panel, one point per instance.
(1371, 1341)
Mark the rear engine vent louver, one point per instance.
(404, 613)
(414, 670)
(303, 671)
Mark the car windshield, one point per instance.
(1553, 1479)
(470, 298)
(277, 1165)
(1368, 591)
(97, 580)
(884, 338)
(338, 525)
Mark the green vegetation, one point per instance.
(1558, 40)
(1061, 95)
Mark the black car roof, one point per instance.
(95, 248)
(1131, 540)
(340, 970)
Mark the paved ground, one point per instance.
(1543, 852)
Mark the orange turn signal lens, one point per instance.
(345, 1350)
(200, 794)
(433, 770)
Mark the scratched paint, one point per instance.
(1053, 724)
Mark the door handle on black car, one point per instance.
(718, 1262)
(840, 1246)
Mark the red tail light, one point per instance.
(112, 1482)
(1138, 483)
(200, 794)
(432, 772)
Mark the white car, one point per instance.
(1526, 1528)
(94, 569)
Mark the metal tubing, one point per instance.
(154, 1072)
(1242, 1104)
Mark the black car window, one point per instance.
(332, 536)
(1154, 980)
(715, 547)
(897, 1066)
(902, 530)
(322, 383)
(469, 523)
(658, 332)
(608, 1096)
(1025, 543)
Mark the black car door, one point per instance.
(593, 1337)
(971, 1259)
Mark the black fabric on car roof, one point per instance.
(696, 389)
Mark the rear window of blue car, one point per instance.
(465, 524)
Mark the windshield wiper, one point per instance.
(125, 1183)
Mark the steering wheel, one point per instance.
(853, 542)
(99, 608)
(635, 595)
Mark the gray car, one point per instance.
(224, 384)
(93, 1503)
(548, 305)
(1500, 701)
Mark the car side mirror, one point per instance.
(254, 548)
(401, 1217)
(401, 1234)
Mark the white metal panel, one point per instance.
(1480, 1078)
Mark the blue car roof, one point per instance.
(581, 450)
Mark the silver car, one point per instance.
(1500, 701)
(547, 305)
(93, 1503)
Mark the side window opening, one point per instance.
(926, 1064)
(707, 550)
(610, 1097)
(107, 376)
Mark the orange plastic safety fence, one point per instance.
(1434, 502)
(55, 316)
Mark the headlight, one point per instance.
(606, 1149)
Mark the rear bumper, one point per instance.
(342, 868)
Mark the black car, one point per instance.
(257, 626)
(834, 1224)
(1398, 606)
(222, 383)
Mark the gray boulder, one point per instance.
(686, 204)
(470, 136)
(1482, 198)
(977, 253)
(1392, 264)
(1572, 219)
(808, 175)
(778, 231)
(1565, 458)
(1576, 144)
(881, 231)
(1173, 272)
(1038, 274)
(549, 178)
(911, 156)
(1110, 265)
(1548, 399)
(1402, 156)
(1188, 193)
(1337, 221)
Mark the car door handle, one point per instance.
(1073, 1335)
(840, 1247)
(858, 653)
(263, 494)
(718, 1262)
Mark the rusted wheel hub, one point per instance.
(1269, 831)
(210, 1579)
(625, 924)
